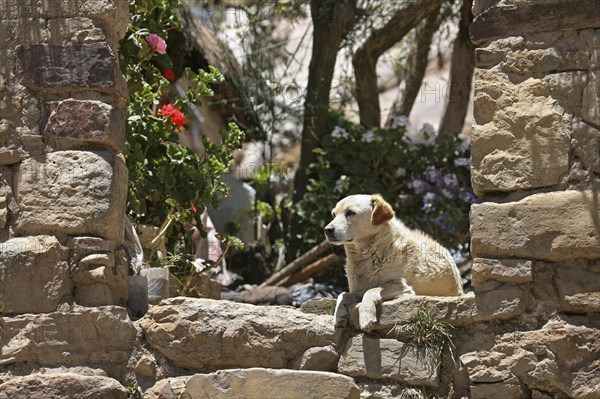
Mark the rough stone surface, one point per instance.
(533, 16)
(257, 383)
(505, 303)
(388, 359)
(73, 192)
(90, 244)
(100, 337)
(9, 157)
(561, 358)
(206, 334)
(60, 386)
(591, 98)
(497, 391)
(521, 139)
(325, 306)
(514, 271)
(548, 226)
(34, 275)
(578, 285)
(73, 122)
(83, 66)
(318, 359)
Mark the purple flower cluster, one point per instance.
(432, 174)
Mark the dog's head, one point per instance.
(357, 217)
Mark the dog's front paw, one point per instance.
(367, 318)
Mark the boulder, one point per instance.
(206, 334)
(257, 383)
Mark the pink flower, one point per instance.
(157, 43)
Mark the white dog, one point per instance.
(386, 259)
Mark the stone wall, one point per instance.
(531, 329)
(63, 180)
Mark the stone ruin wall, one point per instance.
(531, 330)
(63, 180)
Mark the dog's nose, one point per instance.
(329, 231)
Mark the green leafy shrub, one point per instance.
(428, 184)
(167, 181)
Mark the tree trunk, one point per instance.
(461, 76)
(381, 40)
(416, 65)
(331, 21)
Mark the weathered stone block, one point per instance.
(3, 211)
(73, 122)
(501, 304)
(72, 192)
(535, 55)
(561, 359)
(549, 226)
(376, 358)
(497, 391)
(578, 284)
(34, 275)
(72, 30)
(102, 337)
(68, 67)
(318, 359)
(511, 116)
(257, 383)
(113, 14)
(533, 16)
(90, 244)
(514, 271)
(585, 144)
(206, 334)
(591, 98)
(63, 385)
(9, 157)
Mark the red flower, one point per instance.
(177, 118)
(166, 110)
(193, 207)
(175, 114)
(169, 74)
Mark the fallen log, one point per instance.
(311, 270)
(290, 269)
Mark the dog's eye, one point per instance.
(350, 213)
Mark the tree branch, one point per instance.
(381, 40)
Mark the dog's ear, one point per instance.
(382, 211)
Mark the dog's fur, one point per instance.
(386, 259)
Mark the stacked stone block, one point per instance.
(63, 180)
(536, 169)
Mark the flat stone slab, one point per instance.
(366, 357)
(207, 335)
(102, 337)
(257, 383)
(500, 304)
(60, 386)
(551, 226)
